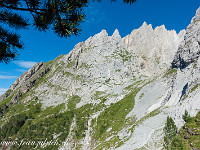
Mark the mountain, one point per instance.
(109, 92)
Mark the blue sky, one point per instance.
(46, 46)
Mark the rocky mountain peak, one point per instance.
(154, 48)
(197, 16)
(145, 26)
(116, 34)
(160, 28)
(189, 49)
(103, 33)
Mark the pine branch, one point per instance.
(9, 42)
(13, 19)
(23, 9)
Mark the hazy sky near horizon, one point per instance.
(46, 46)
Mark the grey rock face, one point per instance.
(189, 50)
(21, 81)
(153, 49)
(27, 80)
(106, 63)
(25, 76)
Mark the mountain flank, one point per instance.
(109, 92)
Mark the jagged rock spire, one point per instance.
(116, 34)
(189, 50)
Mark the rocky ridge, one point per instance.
(124, 87)
(189, 49)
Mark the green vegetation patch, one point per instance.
(68, 74)
(70, 64)
(171, 72)
(157, 60)
(35, 124)
(187, 137)
(44, 77)
(84, 65)
(100, 95)
(130, 87)
(195, 87)
(196, 21)
(82, 116)
(171, 141)
(7, 100)
(184, 97)
(114, 118)
(125, 55)
(59, 57)
(190, 132)
(28, 121)
(194, 66)
(78, 77)
(49, 111)
(12, 126)
(144, 58)
(141, 95)
(149, 115)
(8, 92)
(73, 101)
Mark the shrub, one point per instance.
(171, 140)
(13, 125)
(170, 131)
(186, 117)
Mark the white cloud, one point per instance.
(2, 91)
(8, 77)
(25, 64)
(21, 70)
(95, 16)
(3, 72)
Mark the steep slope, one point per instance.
(107, 93)
(189, 49)
(169, 95)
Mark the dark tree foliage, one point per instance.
(171, 140)
(63, 16)
(170, 131)
(12, 126)
(186, 117)
(3, 109)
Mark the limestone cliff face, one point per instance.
(25, 76)
(105, 62)
(153, 49)
(126, 85)
(189, 49)
(25, 82)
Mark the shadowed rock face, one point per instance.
(26, 76)
(189, 49)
